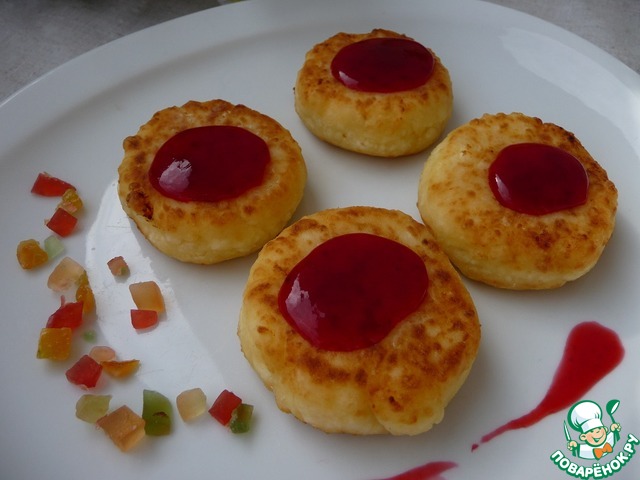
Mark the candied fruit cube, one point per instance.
(191, 404)
(85, 372)
(53, 246)
(62, 222)
(65, 275)
(223, 406)
(30, 254)
(241, 418)
(120, 369)
(118, 267)
(71, 201)
(68, 315)
(49, 186)
(90, 408)
(147, 296)
(84, 294)
(102, 353)
(156, 412)
(55, 343)
(124, 427)
(142, 319)
(89, 335)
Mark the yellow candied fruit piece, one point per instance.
(120, 369)
(71, 201)
(30, 254)
(147, 296)
(124, 427)
(55, 343)
(90, 408)
(191, 404)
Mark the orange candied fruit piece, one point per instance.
(84, 294)
(147, 296)
(71, 201)
(55, 343)
(124, 427)
(120, 369)
(30, 254)
(143, 319)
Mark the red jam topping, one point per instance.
(428, 471)
(383, 65)
(537, 179)
(592, 351)
(209, 164)
(350, 291)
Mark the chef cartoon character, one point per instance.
(586, 417)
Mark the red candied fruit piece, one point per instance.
(224, 406)
(85, 372)
(49, 186)
(68, 315)
(62, 222)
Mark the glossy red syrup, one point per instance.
(429, 471)
(351, 290)
(383, 65)
(537, 179)
(209, 164)
(591, 352)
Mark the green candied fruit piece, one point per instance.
(156, 412)
(241, 418)
(90, 336)
(90, 408)
(53, 246)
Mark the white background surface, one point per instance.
(39, 35)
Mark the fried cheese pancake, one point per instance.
(400, 385)
(500, 246)
(388, 124)
(208, 232)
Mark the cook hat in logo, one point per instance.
(585, 416)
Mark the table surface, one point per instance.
(39, 35)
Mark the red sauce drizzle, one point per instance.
(537, 179)
(429, 471)
(209, 164)
(383, 65)
(591, 352)
(351, 290)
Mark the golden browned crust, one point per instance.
(400, 385)
(210, 232)
(499, 246)
(380, 124)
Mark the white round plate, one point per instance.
(71, 123)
